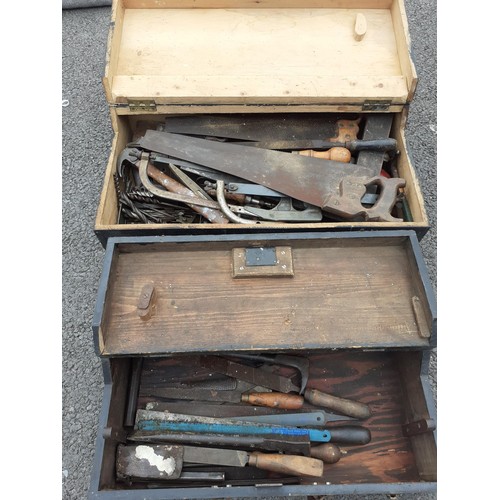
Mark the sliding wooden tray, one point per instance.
(359, 306)
(393, 382)
(172, 58)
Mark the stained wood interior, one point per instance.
(375, 378)
(344, 293)
(241, 52)
(128, 127)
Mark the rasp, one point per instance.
(166, 461)
(297, 445)
(335, 187)
(284, 464)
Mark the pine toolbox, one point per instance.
(350, 312)
(180, 64)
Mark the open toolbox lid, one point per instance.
(354, 53)
(198, 293)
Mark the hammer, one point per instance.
(344, 406)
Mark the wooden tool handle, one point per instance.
(327, 452)
(274, 400)
(350, 434)
(287, 464)
(336, 154)
(345, 406)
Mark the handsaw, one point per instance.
(335, 187)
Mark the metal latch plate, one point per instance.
(262, 262)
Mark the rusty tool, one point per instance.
(354, 146)
(195, 424)
(283, 464)
(257, 127)
(297, 445)
(258, 376)
(177, 191)
(335, 187)
(164, 461)
(239, 395)
(157, 420)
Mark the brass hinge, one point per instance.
(143, 105)
(376, 105)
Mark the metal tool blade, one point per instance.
(257, 127)
(321, 436)
(208, 394)
(297, 445)
(311, 419)
(312, 180)
(248, 374)
(215, 456)
(377, 126)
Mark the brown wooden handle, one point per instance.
(326, 452)
(287, 464)
(344, 406)
(274, 400)
(336, 154)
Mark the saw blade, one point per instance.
(309, 179)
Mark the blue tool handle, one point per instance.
(315, 435)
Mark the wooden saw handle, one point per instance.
(336, 154)
(286, 464)
(274, 400)
(344, 406)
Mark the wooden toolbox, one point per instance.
(324, 60)
(355, 305)
(358, 306)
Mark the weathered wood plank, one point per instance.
(343, 293)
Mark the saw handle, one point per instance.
(274, 400)
(286, 464)
(344, 406)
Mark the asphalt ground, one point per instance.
(86, 142)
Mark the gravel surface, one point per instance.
(86, 141)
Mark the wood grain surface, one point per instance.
(344, 293)
(373, 378)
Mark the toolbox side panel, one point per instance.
(419, 406)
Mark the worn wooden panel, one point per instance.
(257, 55)
(370, 377)
(344, 293)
